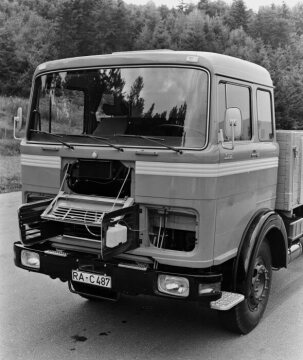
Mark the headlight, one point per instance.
(30, 259)
(173, 285)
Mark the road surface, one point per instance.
(40, 319)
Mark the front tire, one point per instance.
(256, 287)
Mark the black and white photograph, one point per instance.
(151, 179)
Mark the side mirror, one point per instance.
(18, 122)
(233, 123)
(232, 127)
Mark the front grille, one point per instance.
(62, 213)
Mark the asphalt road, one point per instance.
(40, 319)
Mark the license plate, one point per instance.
(92, 279)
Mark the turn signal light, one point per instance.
(207, 289)
(30, 259)
(173, 285)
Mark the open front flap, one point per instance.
(112, 222)
(79, 209)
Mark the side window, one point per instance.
(237, 96)
(265, 119)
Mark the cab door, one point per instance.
(245, 178)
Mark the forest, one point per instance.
(35, 31)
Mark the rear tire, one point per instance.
(244, 317)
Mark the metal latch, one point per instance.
(296, 152)
(254, 154)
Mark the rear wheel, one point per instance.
(244, 317)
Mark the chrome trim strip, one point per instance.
(53, 162)
(204, 170)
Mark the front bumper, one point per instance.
(129, 278)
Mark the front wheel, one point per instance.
(245, 317)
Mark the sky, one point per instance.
(251, 4)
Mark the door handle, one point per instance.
(254, 154)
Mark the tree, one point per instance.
(182, 6)
(177, 27)
(164, 12)
(213, 8)
(10, 66)
(287, 75)
(238, 15)
(30, 40)
(119, 36)
(216, 34)
(152, 19)
(296, 18)
(161, 38)
(271, 26)
(240, 45)
(74, 28)
(192, 36)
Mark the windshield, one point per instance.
(166, 103)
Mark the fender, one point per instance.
(264, 221)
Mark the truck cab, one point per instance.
(154, 172)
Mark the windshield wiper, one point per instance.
(153, 140)
(55, 136)
(103, 140)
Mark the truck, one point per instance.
(160, 173)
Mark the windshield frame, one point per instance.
(35, 91)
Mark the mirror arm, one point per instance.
(221, 140)
(233, 124)
(16, 119)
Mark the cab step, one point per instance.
(227, 301)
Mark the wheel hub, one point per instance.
(259, 285)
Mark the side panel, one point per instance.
(247, 193)
(290, 183)
(189, 186)
(40, 173)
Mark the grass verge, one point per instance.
(8, 109)
(9, 147)
(10, 173)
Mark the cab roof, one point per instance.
(216, 63)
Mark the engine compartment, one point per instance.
(172, 229)
(108, 178)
